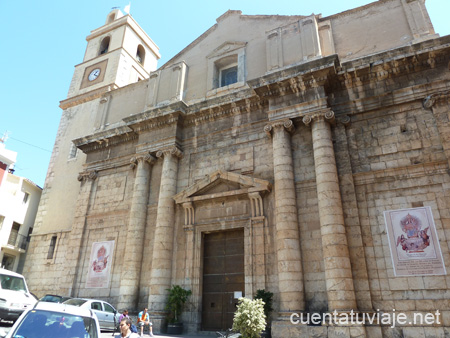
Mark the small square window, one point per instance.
(51, 248)
(228, 76)
(25, 197)
(73, 151)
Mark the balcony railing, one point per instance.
(17, 240)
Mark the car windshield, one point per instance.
(50, 298)
(75, 301)
(43, 324)
(12, 283)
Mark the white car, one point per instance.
(55, 320)
(14, 295)
(107, 315)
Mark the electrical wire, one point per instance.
(31, 145)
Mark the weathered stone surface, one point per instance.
(319, 135)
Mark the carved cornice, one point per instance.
(86, 97)
(152, 120)
(198, 114)
(169, 151)
(283, 124)
(327, 115)
(400, 174)
(430, 100)
(105, 139)
(87, 175)
(141, 158)
(397, 62)
(295, 78)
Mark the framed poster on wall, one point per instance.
(100, 264)
(413, 242)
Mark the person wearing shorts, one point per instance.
(144, 320)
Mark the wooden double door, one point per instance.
(223, 278)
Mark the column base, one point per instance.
(301, 324)
(159, 321)
(285, 329)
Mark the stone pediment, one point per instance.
(222, 184)
(225, 48)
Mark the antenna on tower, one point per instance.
(5, 136)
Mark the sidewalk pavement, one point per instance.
(161, 335)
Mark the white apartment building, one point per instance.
(19, 200)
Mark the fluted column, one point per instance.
(131, 267)
(164, 231)
(290, 275)
(338, 273)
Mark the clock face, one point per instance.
(94, 74)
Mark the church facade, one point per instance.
(304, 155)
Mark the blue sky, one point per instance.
(42, 41)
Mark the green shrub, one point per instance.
(267, 298)
(175, 303)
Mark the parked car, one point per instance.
(54, 299)
(15, 297)
(107, 315)
(46, 320)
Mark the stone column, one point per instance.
(72, 275)
(338, 272)
(290, 275)
(131, 267)
(439, 103)
(164, 232)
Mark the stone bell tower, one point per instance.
(117, 54)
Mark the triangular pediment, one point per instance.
(225, 48)
(222, 184)
(219, 186)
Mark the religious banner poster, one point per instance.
(100, 265)
(415, 248)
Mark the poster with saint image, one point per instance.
(100, 265)
(413, 242)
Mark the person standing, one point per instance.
(144, 320)
(125, 329)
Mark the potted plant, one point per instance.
(249, 318)
(267, 298)
(175, 303)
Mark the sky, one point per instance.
(42, 41)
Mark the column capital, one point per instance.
(256, 204)
(277, 125)
(327, 115)
(141, 158)
(173, 150)
(344, 119)
(189, 213)
(430, 100)
(87, 175)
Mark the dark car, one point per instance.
(54, 299)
